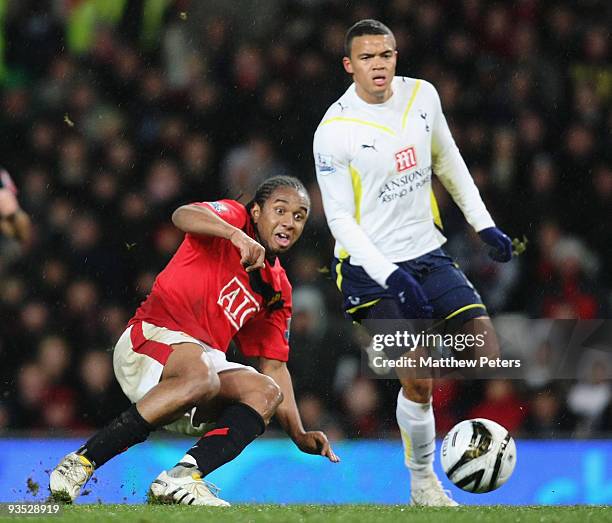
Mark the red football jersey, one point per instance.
(205, 292)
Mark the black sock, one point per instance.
(119, 435)
(237, 426)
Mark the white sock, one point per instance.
(417, 426)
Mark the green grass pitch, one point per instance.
(326, 514)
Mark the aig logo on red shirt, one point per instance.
(405, 159)
(237, 302)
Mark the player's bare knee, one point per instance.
(272, 394)
(264, 397)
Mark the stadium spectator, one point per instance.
(54, 358)
(548, 415)
(30, 396)
(361, 401)
(14, 222)
(589, 397)
(100, 399)
(502, 404)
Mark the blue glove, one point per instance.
(502, 245)
(409, 295)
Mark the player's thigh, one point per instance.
(145, 354)
(383, 309)
(451, 294)
(187, 361)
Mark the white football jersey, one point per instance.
(374, 164)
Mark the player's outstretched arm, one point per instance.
(194, 219)
(310, 442)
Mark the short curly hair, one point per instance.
(266, 188)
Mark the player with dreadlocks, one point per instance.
(224, 283)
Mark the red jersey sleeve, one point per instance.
(231, 211)
(267, 336)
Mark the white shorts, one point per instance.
(141, 353)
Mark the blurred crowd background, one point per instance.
(115, 112)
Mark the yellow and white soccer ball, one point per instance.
(478, 455)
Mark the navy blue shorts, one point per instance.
(448, 290)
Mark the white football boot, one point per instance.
(428, 492)
(186, 490)
(69, 477)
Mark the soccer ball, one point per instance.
(478, 455)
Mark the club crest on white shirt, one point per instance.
(405, 159)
